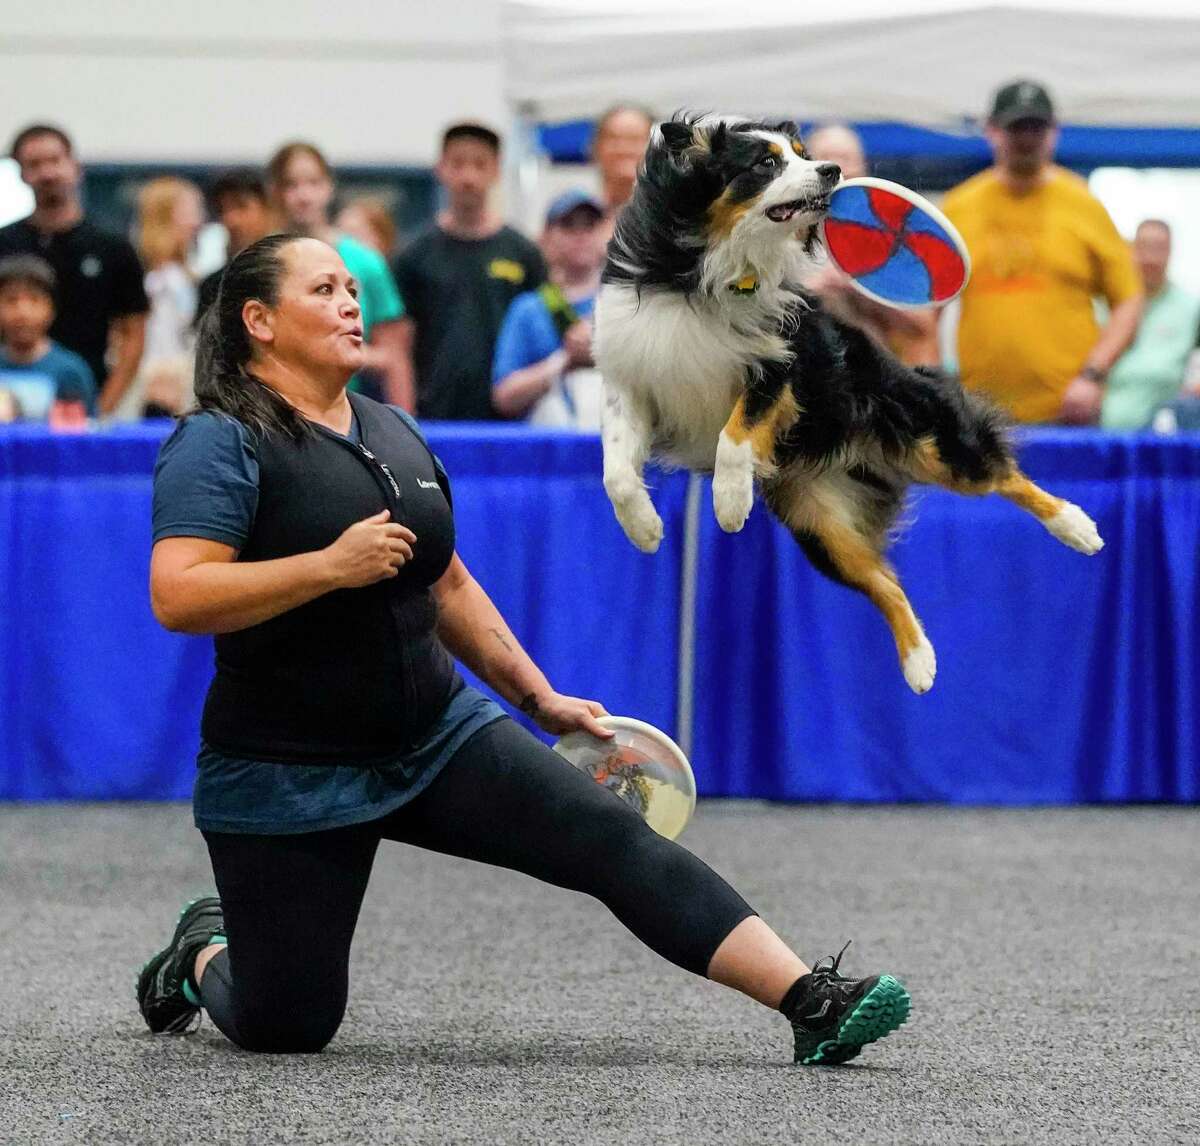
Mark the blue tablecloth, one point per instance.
(1061, 678)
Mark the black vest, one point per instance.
(358, 674)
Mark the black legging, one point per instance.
(291, 902)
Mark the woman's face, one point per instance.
(188, 215)
(316, 322)
(305, 193)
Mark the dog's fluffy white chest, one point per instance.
(681, 364)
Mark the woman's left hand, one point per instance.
(561, 714)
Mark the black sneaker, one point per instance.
(160, 983)
(833, 1017)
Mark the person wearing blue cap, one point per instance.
(542, 369)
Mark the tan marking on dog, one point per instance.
(798, 148)
(724, 214)
(810, 507)
(1021, 491)
(927, 466)
(765, 430)
(775, 149)
(865, 569)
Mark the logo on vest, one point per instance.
(427, 484)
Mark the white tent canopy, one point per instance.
(931, 62)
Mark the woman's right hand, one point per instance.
(370, 550)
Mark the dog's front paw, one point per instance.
(733, 496)
(642, 525)
(920, 667)
(1073, 527)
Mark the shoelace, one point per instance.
(835, 961)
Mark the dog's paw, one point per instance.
(733, 497)
(920, 667)
(1073, 527)
(642, 525)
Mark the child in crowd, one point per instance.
(39, 379)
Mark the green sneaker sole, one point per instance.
(883, 1009)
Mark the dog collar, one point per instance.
(747, 284)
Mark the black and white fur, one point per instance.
(714, 358)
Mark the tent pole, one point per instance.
(525, 162)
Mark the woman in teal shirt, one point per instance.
(301, 185)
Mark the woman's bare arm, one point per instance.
(197, 586)
(472, 628)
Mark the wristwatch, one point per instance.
(1093, 374)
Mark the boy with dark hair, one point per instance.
(37, 375)
(238, 199)
(458, 277)
(99, 294)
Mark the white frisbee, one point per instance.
(642, 765)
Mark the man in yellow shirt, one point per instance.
(1042, 250)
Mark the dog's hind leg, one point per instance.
(627, 437)
(862, 567)
(747, 446)
(1062, 519)
(833, 532)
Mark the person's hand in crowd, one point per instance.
(1082, 401)
(370, 550)
(1191, 374)
(577, 342)
(68, 415)
(559, 714)
(166, 383)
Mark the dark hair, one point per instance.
(278, 164)
(223, 381)
(475, 131)
(28, 270)
(33, 131)
(237, 181)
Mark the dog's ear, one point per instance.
(718, 138)
(677, 134)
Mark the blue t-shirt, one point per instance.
(206, 485)
(60, 375)
(528, 333)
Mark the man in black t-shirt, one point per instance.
(457, 279)
(99, 290)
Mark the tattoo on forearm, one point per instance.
(529, 706)
(500, 637)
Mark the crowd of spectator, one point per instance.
(1063, 321)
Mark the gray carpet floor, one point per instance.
(1052, 957)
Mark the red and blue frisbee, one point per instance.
(895, 246)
